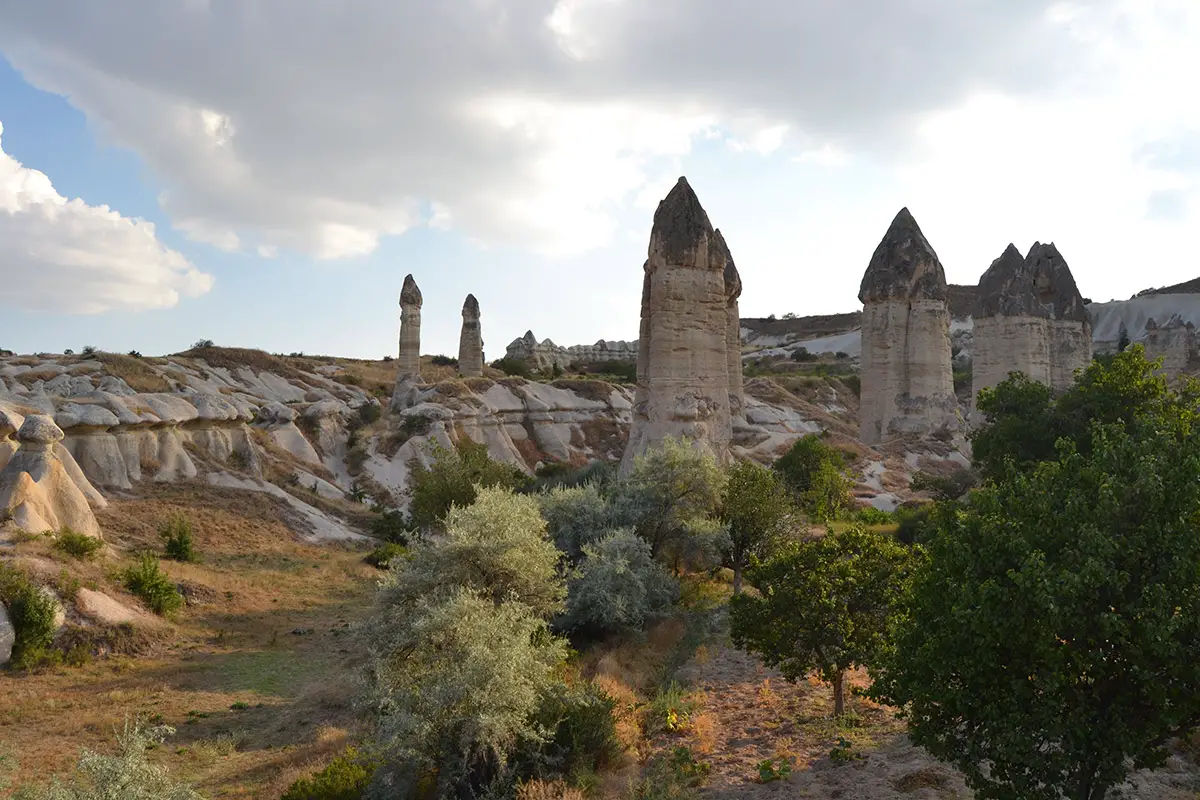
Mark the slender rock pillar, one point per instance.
(409, 373)
(470, 341)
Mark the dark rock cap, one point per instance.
(904, 266)
(1005, 288)
(680, 225)
(410, 295)
(471, 306)
(733, 281)
(1054, 286)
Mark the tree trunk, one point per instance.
(737, 578)
(839, 694)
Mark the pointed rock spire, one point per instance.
(904, 265)
(1005, 288)
(410, 293)
(681, 226)
(470, 340)
(1054, 284)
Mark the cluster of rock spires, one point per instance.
(1174, 342)
(1029, 317)
(470, 342)
(545, 354)
(689, 324)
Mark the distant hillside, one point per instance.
(1187, 287)
(797, 328)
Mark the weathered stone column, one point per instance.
(907, 382)
(470, 341)
(683, 368)
(1068, 322)
(1174, 342)
(733, 329)
(410, 329)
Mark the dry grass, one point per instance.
(549, 790)
(135, 372)
(254, 705)
(234, 357)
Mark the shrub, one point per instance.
(149, 583)
(32, 613)
(88, 350)
(496, 547)
(128, 775)
(962, 380)
(575, 517)
(800, 464)
(345, 778)
(369, 412)
(824, 604)
(392, 526)
(444, 361)
(77, 545)
(513, 366)
(869, 515)
(581, 734)
(454, 479)
(802, 354)
(913, 521)
(203, 344)
(381, 557)
(828, 496)
(854, 383)
(619, 586)
(177, 538)
(944, 487)
(456, 680)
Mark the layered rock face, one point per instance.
(470, 341)
(37, 489)
(546, 354)
(1174, 342)
(1029, 317)
(683, 363)
(733, 329)
(907, 382)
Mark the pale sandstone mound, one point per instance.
(733, 329)
(1174, 342)
(683, 366)
(1029, 317)
(470, 341)
(907, 383)
(37, 490)
(9, 424)
(410, 341)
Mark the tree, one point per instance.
(575, 516)
(757, 508)
(456, 681)
(454, 480)
(670, 497)
(1050, 638)
(619, 586)
(944, 488)
(828, 496)
(798, 466)
(496, 547)
(824, 604)
(1123, 339)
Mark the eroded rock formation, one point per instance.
(1029, 317)
(36, 489)
(546, 354)
(470, 341)
(733, 328)
(683, 365)
(1174, 342)
(907, 383)
(409, 362)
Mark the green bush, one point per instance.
(800, 464)
(454, 478)
(854, 383)
(146, 580)
(392, 526)
(77, 545)
(128, 775)
(32, 613)
(444, 361)
(869, 515)
(513, 366)
(369, 412)
(575, 517)
(177, 536)
(381, 557)
(345, 778)
(913, 519)
(581, 735)
(619, 586)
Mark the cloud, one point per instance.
(320, 127)
(66, 256)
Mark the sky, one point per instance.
(263, 173)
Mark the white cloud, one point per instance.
(320, 127)
(66, 256)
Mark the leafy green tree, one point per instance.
(800, 463)
(829, 496)
(758, 509)
(456, 682)
(454, 479)
(128, 775)
(619, 586)
(824, 604)
(945, 488)
(670, 497)
(575, 516)
(1050, 638)
(496, 546)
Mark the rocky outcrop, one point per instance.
(1174, 342)
(36, 489)
(470, 341)
(1029, 317)
(409, 361)
(683, 365)
(545, 355)
(733, 328)
(907, 383)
